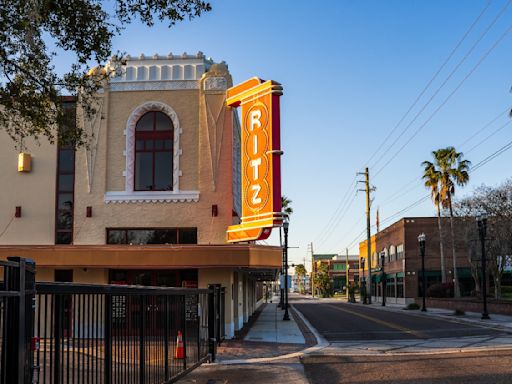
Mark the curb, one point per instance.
(321, 343)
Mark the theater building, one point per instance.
(398, 244)
(150, 198)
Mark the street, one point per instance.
(337, 321)
(487, 367)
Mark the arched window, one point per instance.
(154, 137)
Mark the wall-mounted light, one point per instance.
(88, 211)
(17, 212)
(24, 162)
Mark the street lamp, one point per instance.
(363, 281)
(482, 230)
(421, 241)
(285, 227)
(383, 281)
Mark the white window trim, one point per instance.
(131, 196)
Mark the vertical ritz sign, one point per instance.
(260, 158)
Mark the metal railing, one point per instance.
(16, 320)
(63, 333)
(119, 334)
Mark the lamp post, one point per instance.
(482, 230)
(285, 227)
(363, 282)
(421, 241)
(383, 281)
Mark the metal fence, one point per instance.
(63, 333)
(16, 321)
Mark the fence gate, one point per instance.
(67, 333)
(17, 302)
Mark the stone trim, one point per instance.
(151, 197)
(129, 171)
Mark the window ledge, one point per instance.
(152, 197)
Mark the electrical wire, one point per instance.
(496, 43)
(488, 136)
(423, 199)
(432, 79)
(341, 207)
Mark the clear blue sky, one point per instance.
(351, 70)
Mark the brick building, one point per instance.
(398, 243)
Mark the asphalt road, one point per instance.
(342, 322)
(489, 367)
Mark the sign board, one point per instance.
(260, 158)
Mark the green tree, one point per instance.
(300, 272)
(452, 170)
(323, 282)
(32, 33)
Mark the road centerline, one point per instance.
(418, 334)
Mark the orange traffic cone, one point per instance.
(180, 351)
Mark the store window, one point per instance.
(137, 236)
(400, 287)
(154, 152)
(400, 252)
(392, 253)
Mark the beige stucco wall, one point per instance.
(205, 164)
(224, 277)
(80, 275)
(34, 191)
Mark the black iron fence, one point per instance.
(80, 333)
(16, 321)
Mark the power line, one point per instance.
(341, 207)
(414, 182)
(334, 226)
(488, 136)
(500, 39)
(434, 77)
(480, 164)
(505, 112)
(459, 64)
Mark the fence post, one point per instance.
(212, 342)
(166, 337)
(142, 357)
(107, 337)
(57, 335)
(184, 336)
(19, 321)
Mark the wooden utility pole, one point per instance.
(312, 271)
(368, 234)
(366, 181)
(346, 272)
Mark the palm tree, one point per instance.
(452, 170)
(431, 177)
(286, 209)
(285, 205)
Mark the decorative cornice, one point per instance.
(153, 85)
(120, 197)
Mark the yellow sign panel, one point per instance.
(261, 162)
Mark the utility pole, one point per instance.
(346, 272)
(312, 271)
(366, 173)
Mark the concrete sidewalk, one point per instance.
(270, 327)
(272, 348)
(268, 353)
